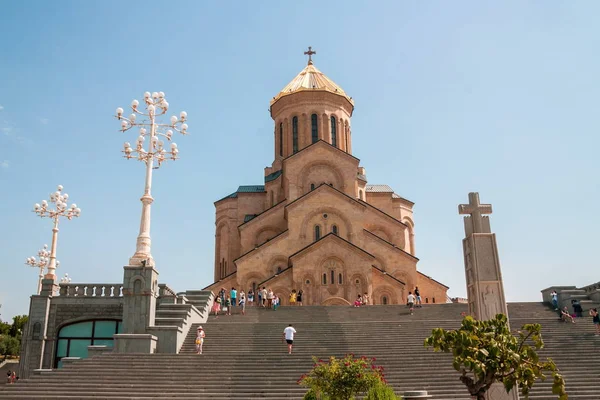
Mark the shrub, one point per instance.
(342, 379)
(381, 391)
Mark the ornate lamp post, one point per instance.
(65, 279)
(40, 263)
(62, 210)
(155, 106)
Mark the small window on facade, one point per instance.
(426, 300)
(307, 282)
(360, 196)
(340, 280)
(324, 279)
(295, 134)
(384, 300)
(281, 138)
(346, 135)
(433, 300)
(314, 128)
(312, 186)
(332, 277)
(278, 269)
(334, 229)
(357, 282)
(317, 232)
(333, 132)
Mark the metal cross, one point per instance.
(310, 53)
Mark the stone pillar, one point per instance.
(33, 349)
(485, 289)
(140, 290)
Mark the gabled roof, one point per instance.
(246, 219)
(388, 275)
(331, 236)
(428, 277)
(357, 201)
(260, 245)
(391, 244)
(316, 143)
(274, 276)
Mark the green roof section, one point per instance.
(249, 217)
(273, 176)
(244, 189)
(251, 189)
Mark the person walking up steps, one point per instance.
(411, 302)
(243, 302)
(418, 303)
(299, 297)
(199, 340)
(288, 335)
(596, 319)
(233, 295)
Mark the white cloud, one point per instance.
(45, 121)
(4, 164)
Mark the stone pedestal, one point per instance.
(485, 290)
(140, 290)
(36, 352)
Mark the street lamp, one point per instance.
(59, 199)
(65, 279)
(156, 105)
(40, 263)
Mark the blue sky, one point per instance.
(451, 97)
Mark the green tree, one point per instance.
(341, 379)
(486, 352)
(4, 328)
(19, 322)
(9, 346)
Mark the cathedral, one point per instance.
(316, 224)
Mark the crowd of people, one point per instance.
(265, 298)
(225, 300)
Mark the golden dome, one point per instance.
(310, 78)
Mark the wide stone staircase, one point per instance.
(244, 357)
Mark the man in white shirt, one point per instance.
(411, 302)
(288, 334)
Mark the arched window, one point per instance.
(312, 186)
(324, 279)
(384, 300)
(317, 232)
(73, 340)
(295, 134)
(333, 132)
(340, 280)
(281, 138)
(360, 194)
(334, 229)
(314, 128)
(426, 300)
(433, 300)
(278, 270)
(332, 277)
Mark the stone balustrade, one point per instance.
(91, 290)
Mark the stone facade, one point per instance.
(316, 224)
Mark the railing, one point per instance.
(91, 289)
(164, 290)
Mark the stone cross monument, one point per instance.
(485, 290)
